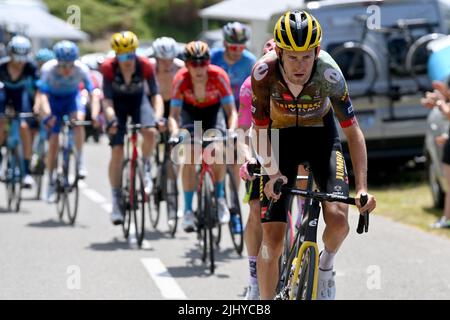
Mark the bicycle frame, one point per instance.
(132, 139)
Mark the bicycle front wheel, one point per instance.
(171, 196)
(71, 193)
(306, 279)
(14, 181)
(138, 205)
(210, 218)
(235, 224)
(155, 196)
(126, 198)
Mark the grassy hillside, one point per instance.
(148, 18)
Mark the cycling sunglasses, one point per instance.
(198, 63)
(66, 64)
(235, 47)
(126, 57)
(19, 58)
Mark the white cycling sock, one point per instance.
(326, 260)
(253, 274)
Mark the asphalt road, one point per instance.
(43, 258)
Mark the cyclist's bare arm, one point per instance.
(231, 112)
(158, 105)
(95, 103)
(44, 105)
(174, 120)
(109, 109)
(358, 154)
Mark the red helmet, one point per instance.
(269, 46)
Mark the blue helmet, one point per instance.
(44, 55)
(66, 51)
(19, 46)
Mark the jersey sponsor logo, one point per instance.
(350, 109)
(246, 92)
(332, 75)
(260, 71)
(302, 106)
(340, 166)
(287, 97)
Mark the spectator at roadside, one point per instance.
(440, 98)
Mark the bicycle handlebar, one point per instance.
(77, 123)
(363, 222)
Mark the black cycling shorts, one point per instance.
(252, 189)
(321, 148)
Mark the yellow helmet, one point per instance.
(297, 31)
(124, 42)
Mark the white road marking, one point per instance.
(162, 278)
(94, 196)
(107, 207)
(82, 185)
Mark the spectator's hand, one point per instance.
(431, 98)
(442, 88)
(442, 139)
(444, 107)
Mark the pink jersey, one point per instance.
(245, 100)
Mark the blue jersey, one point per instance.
(19, 93)
(237, 72)
(55, 84)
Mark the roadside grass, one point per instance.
(404, 196)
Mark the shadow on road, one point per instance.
(51, 223)
(196, 268)
(5, 211)
(116, 245)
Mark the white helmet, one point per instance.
(165, 48)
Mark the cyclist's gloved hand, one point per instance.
(371, 202)
(161, 123)
(111, 126)
(49, 121)
(243, 170)
(268, 188)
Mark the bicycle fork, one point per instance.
(309, 242)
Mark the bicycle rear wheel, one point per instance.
(356, 62)
(126, 198)
(232, 199)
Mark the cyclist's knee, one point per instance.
(335, 217)
(255, 211)
(117, 152)
(149, 133)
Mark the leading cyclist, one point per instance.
(297, 89)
